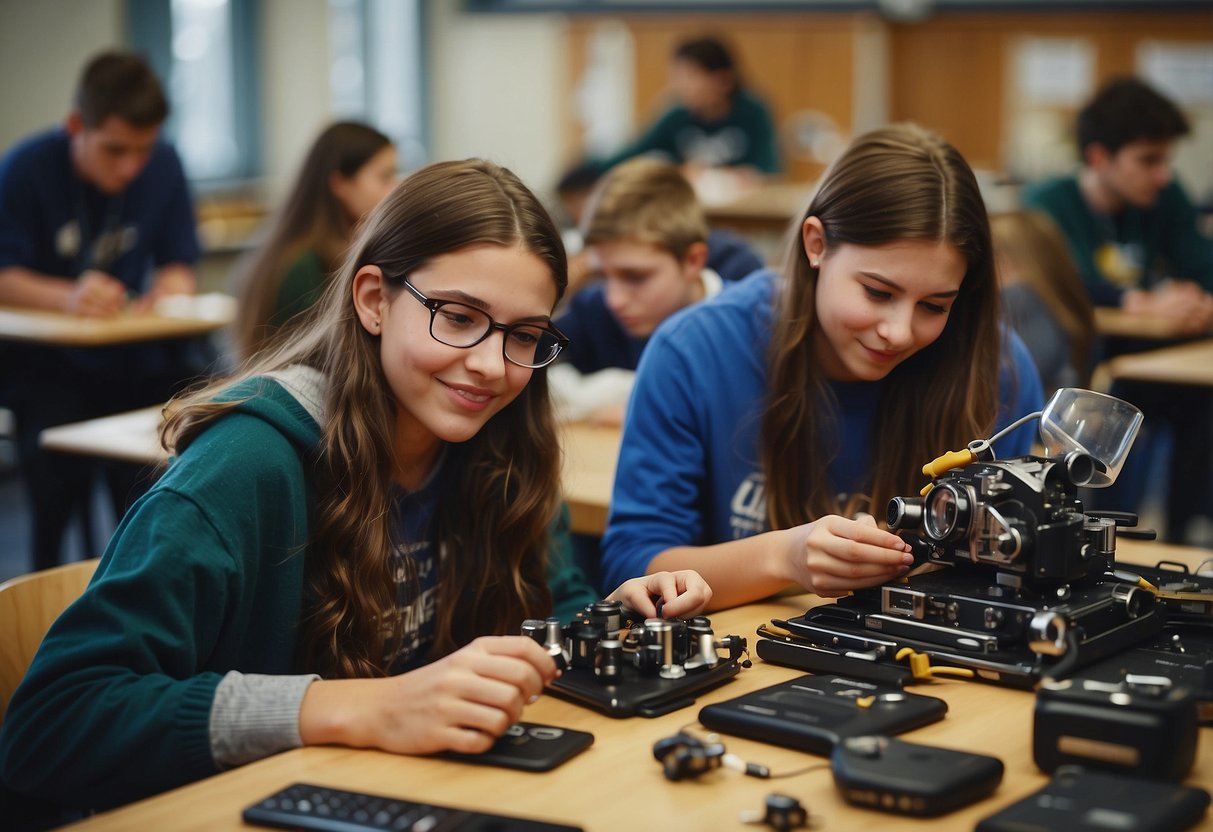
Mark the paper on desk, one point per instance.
(211, 306)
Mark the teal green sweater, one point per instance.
(1164, 238)
(204, 575)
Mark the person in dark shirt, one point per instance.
(95, 220)
(1133, 233)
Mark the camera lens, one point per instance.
(947, 512)
(904, 513)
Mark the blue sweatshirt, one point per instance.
(689, 471)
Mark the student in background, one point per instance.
(95, 220)
(1133, 233)
(1043, 297)
(1130, 226)
(648, 244)
(765, 420)
(715, 123)
(348, 170)
(351, 527)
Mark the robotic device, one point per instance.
(625, 665)
(1026, 584)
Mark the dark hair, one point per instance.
(123, 85)
(311, 218)
(1125, 110)
(578, 179)
(895, 183)
(506, 478)
(708, 52)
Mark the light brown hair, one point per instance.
(645, 200)
(1036, 249)
(500, 489)
(896, 183)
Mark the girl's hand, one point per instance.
(834, 555)
(683, 594)
(461, 702)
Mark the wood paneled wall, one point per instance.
(947, 72)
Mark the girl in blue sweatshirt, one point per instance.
(769, 424)
(350, 529)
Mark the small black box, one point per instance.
(1142, 726)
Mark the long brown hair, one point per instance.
(311, 218)
(895, 183)
(1036, 251)
(500, 489)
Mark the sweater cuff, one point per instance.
(254, 716)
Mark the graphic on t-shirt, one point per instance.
(1121, 263)
(748, 508)
(410, 626)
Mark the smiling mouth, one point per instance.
(470, 395)
(883, 355)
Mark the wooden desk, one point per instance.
(768, 207)
(589, 456)
(130, 437)
(1188, 364)
(185, 317)
(1116, 323)
(617, 785)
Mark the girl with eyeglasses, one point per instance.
(768, 425)
(351, 527)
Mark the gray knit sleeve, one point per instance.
(254, 716)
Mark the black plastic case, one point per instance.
(813, 713)
(1078, 800)
(908, 778)
(529, 746)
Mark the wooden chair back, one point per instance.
(29, 604)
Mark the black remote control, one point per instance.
(306, 806)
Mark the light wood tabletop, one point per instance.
(589, 456)
(769, 206)
(1117, 323)
(617, 785)
(178, 318)
(1188, 364)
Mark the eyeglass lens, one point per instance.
(463, 326)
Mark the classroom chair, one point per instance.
(29, 604)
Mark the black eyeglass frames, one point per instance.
(459, 325)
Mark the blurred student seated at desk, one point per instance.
(651, 254)
(715, 122)
(96, 220)
(349, 169)
(1133, 233)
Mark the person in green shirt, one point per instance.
(349, 168)
(1133, 234)
(351, 528)
(1131, 227)
(715, 121)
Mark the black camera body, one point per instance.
(1026, 586)
(1143, 726)
(1021, 517)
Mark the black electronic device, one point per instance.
(814, 713)
(1026, 586)
(326, 809)
(529, 746)
(1182, 653)
(1078, 800)
(1142, 726)
(892, 775)
(623, 664)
